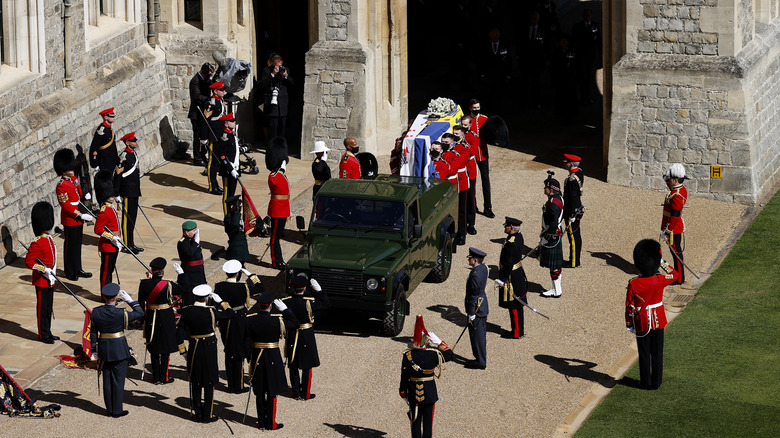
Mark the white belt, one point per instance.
(461, 170)
(452, 177)
(74, 203)
(473, 158)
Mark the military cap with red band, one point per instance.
(129, 137)
(107, 112)
(217, 85)
(227, 117)
(571, 157)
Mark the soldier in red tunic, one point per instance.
(349, 167)
(42, 248)
(645, 315)
(672, 224)
(69, 195)
(459, 177)
(464, 148)
(443, 169)
(475, 139)
(110, 241)
(279, 206)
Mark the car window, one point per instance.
(359, 213)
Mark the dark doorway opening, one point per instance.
(282, 26)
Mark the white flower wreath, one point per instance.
(441, 105)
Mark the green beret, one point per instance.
(189, 225)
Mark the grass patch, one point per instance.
(721, 355)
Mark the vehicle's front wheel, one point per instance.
(393, 321)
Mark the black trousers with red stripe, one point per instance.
(517, 319)
(277, 231)
(72, 255)
(44, 309)
(160, 364)
(484, 175)
(471, 210)
(129, 216)
(300, 381)
(651, 358)
(266, 405)
(677, 241)
(107, 266)
(229, 189)
(422, 426)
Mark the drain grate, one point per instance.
(70, 332)
(680, 298)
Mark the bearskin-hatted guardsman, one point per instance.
(672, 223)
(210, 129)
(69, 195)
(42, 259)
(349, 166)
(301, 350)
(276, 160)
(319, 167)
(191, 256)
(108, 340)
(198, 325)
(645, 316)
(572, 207)
(229, 153)
(129, 190)
(266, 368)
(103, 154)
(157, 297)
(107, 226)
(511, 277)
(421, 365)
(236, 294)
(550, 246)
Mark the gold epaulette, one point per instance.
(182, 239)
(309, 298)
(511, 239)
(286, 298)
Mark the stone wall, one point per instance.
(673, 26)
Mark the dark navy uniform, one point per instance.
(108, 326)
(191, 256)
(572, 213)
(321, 173)
(511, 272)
(418, 385)
(266, 367)
(210, 128)
(130, 191)
(301, 345)
(197, 324)
(103, 154)
(228, 153)
(156, 297)
(199, 96)
(236, 295)
(475, 289)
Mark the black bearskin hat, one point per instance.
(104, 185)
(647, 257)
(368, 164)
(64, 160)
(42, 217)
(495, 132)
(276, 153)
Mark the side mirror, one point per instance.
(300, 223)
(417, 231)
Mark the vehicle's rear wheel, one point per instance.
(393, 321)
(441, 270)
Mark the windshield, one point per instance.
(359, 213)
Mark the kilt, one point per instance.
(551, 255)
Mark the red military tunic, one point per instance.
(41, 248)
(69, 194)
(279, 205)
(443, 169)
(349, 167)
(465, 148)
(457, 163)
(107, 218)
(474, 139)
(673, 205)
(644, 301)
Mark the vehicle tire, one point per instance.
(441, 270)
(393, 321)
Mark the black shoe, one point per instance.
(136, 249)
(120, 415)
(280, 266)
(56, 338)
(211, 419)
(240, 390)
(48, 340)
(489, 213)
(474, 365)
(83, 274)
(461, 241)
(311, 396)
(199, 162)
(72, 277)
(472, 231)
(165, 382)
(278, 426)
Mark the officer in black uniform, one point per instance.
(102, 151)
(266, 367)
(199, 96)
(191, 256)
(319, 167)
(477, 308)
(418, 373)
(301, 350)
(238, 248)
(572, 208)
(129, 190)
(511, 277)
(156, 296)
(228, 152)
(210, 129)
(236, 294)
(108, 340)
(197, 325)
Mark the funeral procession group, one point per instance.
(279, 325)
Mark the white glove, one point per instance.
(499, 283)
(88, 196)
(280, 305)
(197, 236)
(118, 199)
(177, 268)
(246, 272)
(571, 219)
(117, 241)
(434, 339)
(284, 165)
(315, 285)
(125, 296)
(216, 298)
(631, 330)
(49, 273)
(405, 399)
(87, 217)
(234, 174)
(472, 317)
(93, 356)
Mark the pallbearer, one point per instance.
(69, 195)
(511, 277)
(43, 248)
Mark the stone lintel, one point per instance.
(690, 63)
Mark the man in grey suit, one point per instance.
(477, 308)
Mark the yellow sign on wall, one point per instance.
(716, 171)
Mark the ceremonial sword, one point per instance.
(526, 305)
(479, 303)
(148, 269)
(671, 249)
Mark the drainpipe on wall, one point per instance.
(153, 15)
(67, 12)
